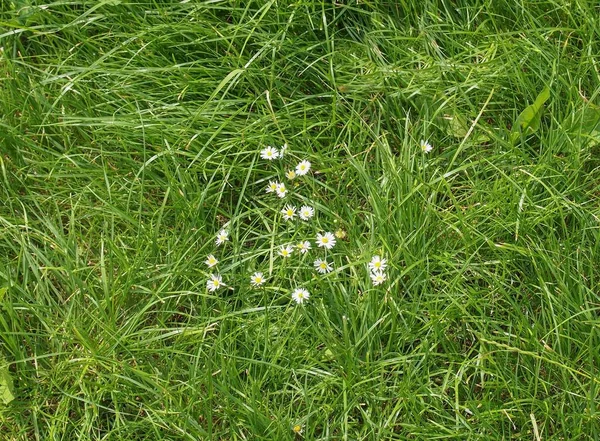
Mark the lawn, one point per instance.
(163, 165)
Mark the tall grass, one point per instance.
(130, 135)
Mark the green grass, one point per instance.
(130, 135)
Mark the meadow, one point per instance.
(299, 220)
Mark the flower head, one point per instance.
(272, 187)
(269, 153)
(303, 168)
(290, 174)
(214, 283)
(300, 295)
(283, 150)
(222, 237)
(211, 261)
(340, 234)
(322, 266)
(378, 277)
(306, 212)
(297, 429)
(425, 146)
(377, 264)
(286, 251)
(281, 190)
(289, 212)
(257, 279)
(326, 240)
(303, 247)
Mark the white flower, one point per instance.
(377, 264)
(257, 279)
(283, 150)
(281, 190)
(269, 153)
(300, 295)
(272, 187)
(306, 212)
(326, 240)
(303, 247)
(286, 251)
(289, 212)
(378, 277)
(214, 283)
(290, 174)
(425, 146)
(322, 266)
(222, 237)
(211, 261)
(303, 168)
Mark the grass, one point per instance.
(129, 136)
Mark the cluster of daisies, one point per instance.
(289, 213)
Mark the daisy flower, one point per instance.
(322, 266)
(222, 237)
(257, 279)
(378, 277)
(290, 174)
(303, 247)
(303, 168)
(269, 153)
(425, 146)
(281, 190)
(326, 240)
(289, 212)
(283, 150)
(214, 283)
(306, 212)
(272, 187)
(211, 261)
(297, 429)
(377, 264)
(300, 295)
(286, 251)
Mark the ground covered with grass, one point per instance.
(131, 137)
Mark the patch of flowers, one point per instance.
(298, 221)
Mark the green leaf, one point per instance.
(529, 119)
(458, 127)
(6, 384)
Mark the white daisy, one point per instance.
(214, 283)
(289, 212)
(300, 295)
(257, 279)
(303, 247)
(281, 190)
(326, 240)
(322, 266)
(211, 261)
(283, 150)
(290, 174)
(286, 251)
(303, 168)
(306, 212)
(272, 187)
(222, 237)
(377, 264)
(425, 146)
(378, 277)
(269, 153)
